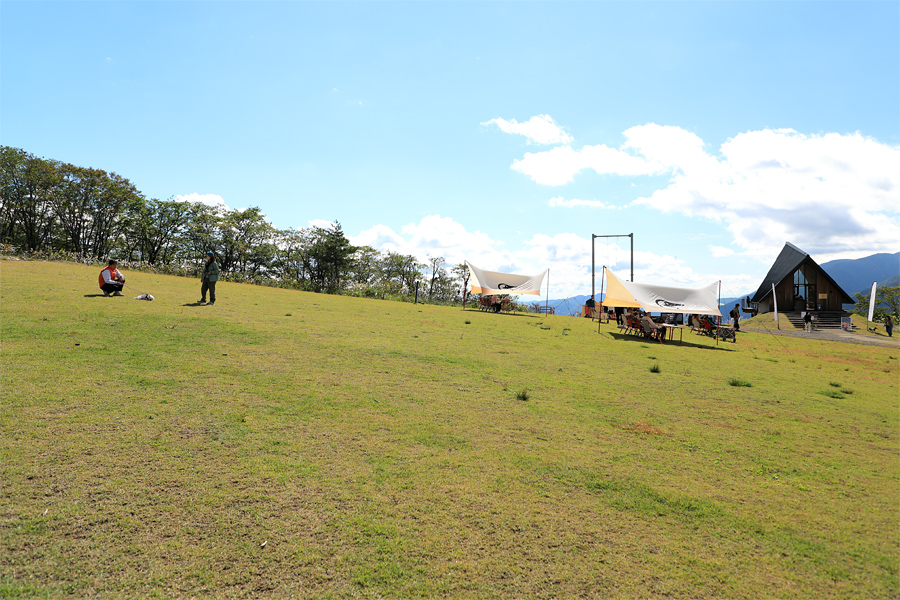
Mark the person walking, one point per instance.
(110, 280)
(736, 315)
(889, 325)
(209, 279)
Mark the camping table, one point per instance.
(670, 329)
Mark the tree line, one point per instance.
(52, 208)
(887, 302)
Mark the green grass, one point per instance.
(370, 449)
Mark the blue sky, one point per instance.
(504, 133)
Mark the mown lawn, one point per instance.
(284, 443)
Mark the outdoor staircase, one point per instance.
(824, 319)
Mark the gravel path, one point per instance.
(845, 337)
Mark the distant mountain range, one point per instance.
(853, 275)
(857, 275)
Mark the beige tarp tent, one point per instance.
(491, 282)
(661, 299)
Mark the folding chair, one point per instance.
(651, 333)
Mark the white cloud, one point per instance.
(435, 235)
(560, 201)
(833, 195)
(720, 251)
(213, 200)
(540, 129)
(559, 165)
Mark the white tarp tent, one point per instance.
(491, 282)
(662, 299)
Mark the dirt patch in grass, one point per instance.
(643, 427)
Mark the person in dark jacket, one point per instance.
(209, 279)
(736, 316)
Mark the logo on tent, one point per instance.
(667, 304)
(504, 286)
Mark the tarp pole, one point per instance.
(600, 314)
(593, 272)
(547, 303)
(631, 235)
(719, 316)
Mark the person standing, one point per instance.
(110, 280)
(889, 325)
(209, 279)
(807, 322)
(736, 315)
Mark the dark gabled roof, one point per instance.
(784, 266)
(788, 261)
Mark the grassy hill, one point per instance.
(284, 443)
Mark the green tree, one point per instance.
(27, 185)
(367, 263)
(156, 229)
(203, 233)
(328, 258)
(115, 198)
(288, 263)
(437, 274)
(400, 272)
(461, 277)
(74, 205)
(246, 242)
(887, 302)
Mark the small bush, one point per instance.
(655, 368)
(833, 394)
(739, 382)
(523, 395)
(468, 322)
(833, 384)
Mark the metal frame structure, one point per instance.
(593, 262)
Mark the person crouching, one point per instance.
(111, 281)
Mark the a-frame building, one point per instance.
(800, 284)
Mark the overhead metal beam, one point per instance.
(593, 262)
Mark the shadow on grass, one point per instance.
(505, 314)
(94, 296)
(679, 343)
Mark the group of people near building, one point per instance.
(112, 281)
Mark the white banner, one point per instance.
(872, 300)
(775, 302)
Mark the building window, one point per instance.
(805, 288)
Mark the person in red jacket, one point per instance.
(111, 281)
